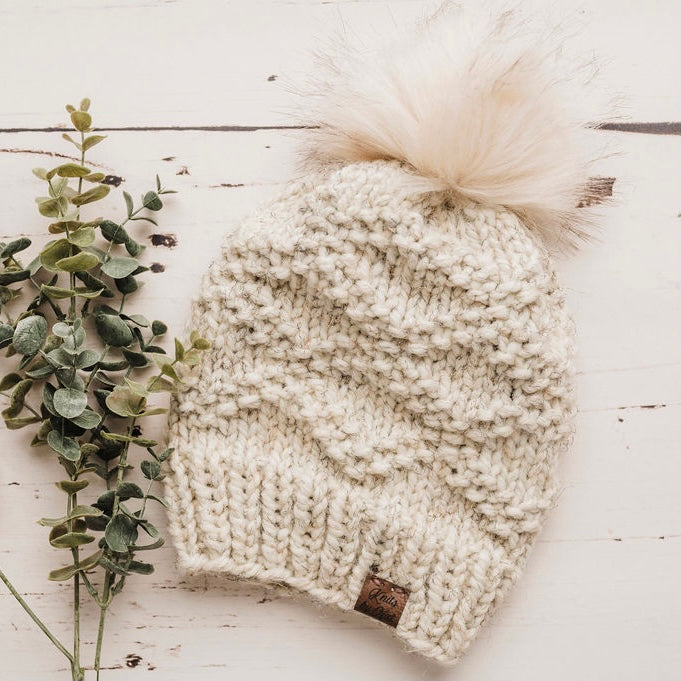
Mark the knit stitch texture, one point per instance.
(388, 390)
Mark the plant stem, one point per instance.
(35, 618)
(104, 605)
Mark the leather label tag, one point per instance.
(382, 600)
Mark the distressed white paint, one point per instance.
(601, 598)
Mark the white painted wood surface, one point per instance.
(601, 597)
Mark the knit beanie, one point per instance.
(389, 385)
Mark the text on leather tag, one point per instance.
(382, 600)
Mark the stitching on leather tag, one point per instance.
(382, 600)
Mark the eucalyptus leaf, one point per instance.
(120, 533)
(10, 380)
(91, 195)
(129, 490)
(12, 276)
(91, 140)
(78, 263)
(88, 419)
(140, 568)
(72, 170)
(152, 201)
(72, 486)
(20, 422)
(81, 120)
(113, 232)
(120, 267)
(78, 512)
(57, 292)
(113, 330)
(6, 333)
(71, 540)
(14, 247)
(87, 358)
(66, 446)
(69, 402)
(150, 469)
(29, 335)
(158, 328)
(82, 237)
(128, 203)
(125, 402)
(55, 251)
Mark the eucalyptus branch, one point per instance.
(92, 400)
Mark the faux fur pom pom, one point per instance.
(480, 104)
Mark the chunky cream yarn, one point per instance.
(388, 390)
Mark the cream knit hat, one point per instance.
(389, 384)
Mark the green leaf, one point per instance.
(6, 295)
(201, 344)
(91, 195)
(82, 237)
(120, 533)
(20, 422)
(12, 276)
(10, 380)
(14, 247)
(117, 268)
(85, 292)
(52, 207)
(72, 170)
(150, 469)
(88, 420)
(71, 539)
(81, 120)
(127, 285)
(53, 252)
(148, 547)
(112, 567)
(118, 437)
(29, 335)
(72, 486)
(95, 177)
(129, 490)
(16, 400)
(66, 572)
(87, 358)
(152, 412)
(140, 568)
(152, 201)
(78, 263)
(125, 402)
(78, 512)
(84, 104)
(66, 446)
(57, 292)
(113, 330)
(168, 369)
(69, 402)
(91, 140)
(128, 203)
(135, 359)
(6, 333)
(160, 500)
(132, 247)
(179, 350)
(113, 232)
(159, 385)
(158, 328)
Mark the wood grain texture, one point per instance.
(600, 599)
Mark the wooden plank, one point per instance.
(204, 63)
